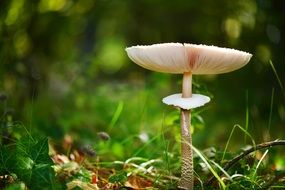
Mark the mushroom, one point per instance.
(187, 59)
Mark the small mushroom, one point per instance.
(187, 59)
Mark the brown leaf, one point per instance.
(82, 185)
(138, 183)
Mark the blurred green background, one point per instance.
(65, 71)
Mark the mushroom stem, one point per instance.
(186, 181)
(187, 85)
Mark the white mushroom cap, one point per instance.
(195, 101)
(181, 58)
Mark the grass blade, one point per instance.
(166, 145)
(199, 179)
(271, 108)
(259, 162)
(277, 77)
(148, 143)
(246, 116)
(231, 134)
(209, 166)
(116, 114)
(222, 170)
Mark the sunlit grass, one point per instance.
(209, 166)
(258, 164)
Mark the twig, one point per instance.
(232, 162)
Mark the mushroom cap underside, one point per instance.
(197, 100)
(181, 58)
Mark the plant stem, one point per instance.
(186, 181)
(233, 161)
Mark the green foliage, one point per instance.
(16, 186)
(5, 159)
(120, 177)
(29, 160)
(83, 175)
(92, 84)
(64, 72)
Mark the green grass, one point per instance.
(231, 134)
(126, 160)
(277, 77)
(246, 116)
(116, 115)
(271, 110)
(157, 173)
(204, 159)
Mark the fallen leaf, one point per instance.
(82, 185)
(137, 182)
